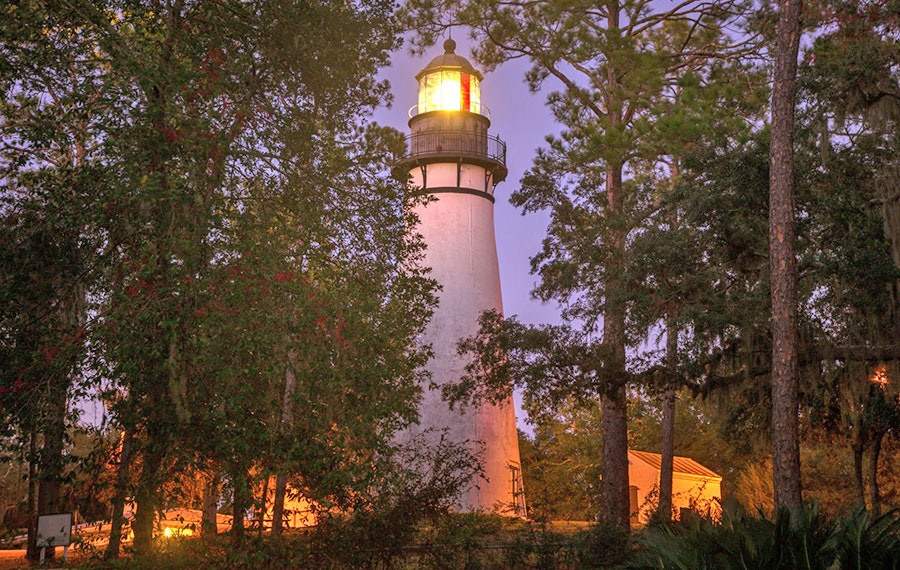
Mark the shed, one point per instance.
(694, 487)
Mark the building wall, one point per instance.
(445, 174)
(646, 479)
(697, 493)
(459, 232)
(688, 491)
(450, 121)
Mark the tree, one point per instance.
(616, 63)
(844, 261)
(245, 209)
(561, 464)
(785, 411)
(51, 119)
(668, 270)
(849, 79)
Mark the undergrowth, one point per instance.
(802, 539)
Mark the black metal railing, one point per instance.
(464, 142)
(477, 108)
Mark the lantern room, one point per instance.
(449, 127)
(449, 83)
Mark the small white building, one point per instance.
(694, 487)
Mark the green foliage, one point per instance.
(792, 540)
(254, 283)
(844, 286)
(561, 465)
(603, 546)
(467, 541)
(562, 456)
(799, 540)
(862, 541)
(420, 489)
(753, 487)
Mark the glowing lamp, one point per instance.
(169, 532)
(449, 83)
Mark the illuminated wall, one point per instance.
(690, 491)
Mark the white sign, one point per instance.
(54, 530)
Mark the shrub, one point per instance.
(603, 545)
(800, 539)
(861, 542)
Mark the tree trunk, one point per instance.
(614, 463)
(209, 523)
(858, 448)
(69, 318)
(144, 516)
(263, 499)
(278, 506)
(874, 493)
(31, 552)
(51, 464)
(146, 497)
(241, 501)
(785, 431)
(123, 476)
(614, 489)
(52, 457)
(664, 512)
(290, 386)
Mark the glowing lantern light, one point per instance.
(449, 83)
(450, 93)
(445, 90)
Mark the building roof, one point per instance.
(684, 465)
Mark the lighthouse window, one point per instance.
(429, 93)
(450, 91)
(447, 90)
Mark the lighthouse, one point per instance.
(454, 159)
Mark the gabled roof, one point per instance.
(683, 465)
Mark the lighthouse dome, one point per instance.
(450, 60)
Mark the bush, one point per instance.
(603, 545)
(863, 542)
(800, 539)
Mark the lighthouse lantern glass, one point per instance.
(451, 99)
(448, 90)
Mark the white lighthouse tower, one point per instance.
(453, 158)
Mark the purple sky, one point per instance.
(520, 118)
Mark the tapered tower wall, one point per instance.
(458, 229)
